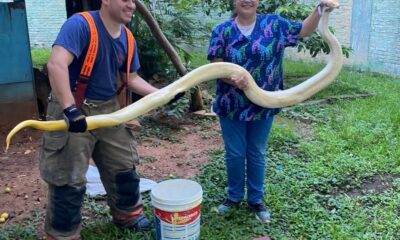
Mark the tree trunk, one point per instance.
(196, 102)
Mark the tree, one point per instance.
(167, 23)
(291, 9)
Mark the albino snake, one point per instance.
(212, 71)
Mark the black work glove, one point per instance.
(75, 119)
(176, 98)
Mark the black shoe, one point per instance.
(261, 212)
(139, 224)
(227, 206)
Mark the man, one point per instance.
(65, 155)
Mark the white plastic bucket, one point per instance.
(177, 205)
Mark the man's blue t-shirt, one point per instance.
(111, 55)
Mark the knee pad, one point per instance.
(66, 204)
(127, 184)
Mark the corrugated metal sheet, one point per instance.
(16, 77)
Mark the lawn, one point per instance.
(40, 57)
(333, 170)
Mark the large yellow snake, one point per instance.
(212, 71)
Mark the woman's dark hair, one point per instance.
(234, 13)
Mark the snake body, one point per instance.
(208, 72)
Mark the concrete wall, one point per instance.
(372, 29)
(384, 49)
(360, 31)
(340, 20)
(45, 19)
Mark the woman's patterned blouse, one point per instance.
(261, 54)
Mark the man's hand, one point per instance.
(75, 119)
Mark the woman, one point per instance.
(256, 42)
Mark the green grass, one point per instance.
(312, 181)
(323, 165)
(40, 57)
(199, 59)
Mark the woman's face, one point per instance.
(246, 7)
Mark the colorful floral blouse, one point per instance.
(261, 54)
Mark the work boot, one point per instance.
(139, 224)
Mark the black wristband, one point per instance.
(70, 109)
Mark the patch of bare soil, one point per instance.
(160, 159)
(377, 184)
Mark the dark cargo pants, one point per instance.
(64, 161)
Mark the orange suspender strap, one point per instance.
(90, 58)
(91, 54)
(131, 48)
(87, 67)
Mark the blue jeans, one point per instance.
(245, 150)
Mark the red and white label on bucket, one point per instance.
(178, 225)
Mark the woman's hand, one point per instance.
(331, 4)
(311, 22)
(240, 82)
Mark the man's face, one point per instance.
(246, 7)
(121, 10)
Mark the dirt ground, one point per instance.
(160, 159)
